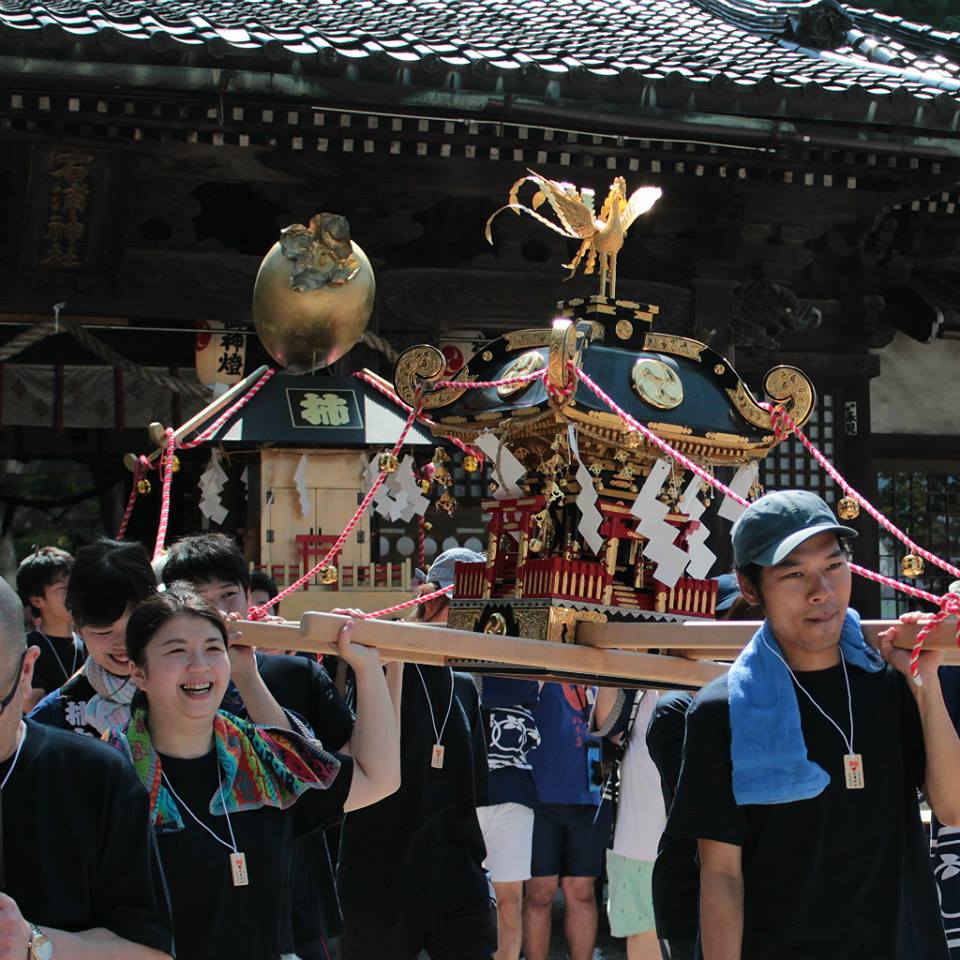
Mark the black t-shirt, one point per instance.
(305, 687)
(77, 849)
(420, 851)
(65, 707)
(60, 658)
(676, 877)
(844, 874)
(213, 919)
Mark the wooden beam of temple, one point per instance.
(417, 643)
(209, 411)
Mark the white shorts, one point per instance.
(508, 833)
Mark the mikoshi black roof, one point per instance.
(819, 48)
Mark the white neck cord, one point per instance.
(53, 650)
(438, 735)
(233, 840)
(22, 731)
(843, 663)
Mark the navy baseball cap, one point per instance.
(728, 589)
(775, 525)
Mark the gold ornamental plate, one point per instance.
(657, 384)
(529, 362)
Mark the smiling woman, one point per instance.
(228, 797)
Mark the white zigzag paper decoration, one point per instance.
(701, 557)
(669, 558)
(507, 469)
(300, 482)
(741, 483)
(590, 516)
(211, 485)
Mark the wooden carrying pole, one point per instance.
(603, 651)
(156, 430)
(418, 643)
(723, 640)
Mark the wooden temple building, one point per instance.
(808, 152)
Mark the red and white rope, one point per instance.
(949, 604)
(487, 384)
(426, 421)
(168, 456)
(779, 416)
(132, 499)
(414, 602)
(258, 612)
(658, 442)
(228, 413)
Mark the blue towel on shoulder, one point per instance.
(767, 750)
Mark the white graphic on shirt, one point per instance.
(513, 734)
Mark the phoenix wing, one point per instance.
(640, 202)
(571, 211)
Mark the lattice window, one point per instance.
(926, 506)
(471, 487)
(394, 541)
(790, 467)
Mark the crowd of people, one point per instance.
(168, 792)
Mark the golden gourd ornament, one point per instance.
(848, 509)
(911, 565)
(329, 575)
(175, 463)
(313, 295)
(144, 487)
(424, 485)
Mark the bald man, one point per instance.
(79, 875)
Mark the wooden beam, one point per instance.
(605, 653)
(417, 643)
(730, 635)
(199, 419)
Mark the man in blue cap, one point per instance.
(801, 765)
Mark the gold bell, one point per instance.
(144, 486)
(848, 509)
(387, 463)
(427, 526)
(440, 455)
(471, 464)
(329, 575)
(447, 503)
(424, 485)
(911, 565)
(175, 463)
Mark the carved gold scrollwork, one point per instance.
(792, 389)
(678, 346)
(784, 385)
(419, 367)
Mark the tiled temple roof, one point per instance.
(819, 47)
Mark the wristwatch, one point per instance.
(40, 947)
